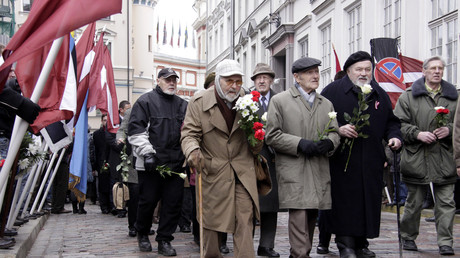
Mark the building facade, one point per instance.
(278, 32)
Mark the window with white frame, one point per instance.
(397, 19)
(451, 51)
(387, 19)
(253, 56)
(222, 42)
(216, 44)
(211, 48)
(436, 40)
(303, 43)
(442, 7)
(354, 29)
(392, 18)
(326, 55)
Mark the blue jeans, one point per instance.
(4, 143)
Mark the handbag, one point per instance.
(264, 182)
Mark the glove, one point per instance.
(324, 146)
(308, 147)
(195, 160)
(28, 110)
(150, 162)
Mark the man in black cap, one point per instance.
(263, 77)
(154, 133)
(294, 118)
(356, 192)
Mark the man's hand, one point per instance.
(394, 143)
(150, 162)
(28, 110)
(308, 147)
(348, 131)
(324, 146)
(426, 137)
(195, 160)
(441, 132)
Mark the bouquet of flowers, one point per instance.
(124, 165)
(248, 106)
(442, 116)
(359, 120)
(29, 153)
(165, 170)
(323, 135)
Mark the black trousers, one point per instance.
(186, 211)
(133, 203)
(152, 188)
(60, 187)
(105, 190)
(324, 235)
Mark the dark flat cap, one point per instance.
(167, 72)
(356, 57)
(305, 63)
(262, 68)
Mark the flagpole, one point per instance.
(51, 180)
(30, 193)
(20, 126)
(42, 185)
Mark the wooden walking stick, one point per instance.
(200, 212)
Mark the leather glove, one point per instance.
(257, 148)
(28, 110)
(308, 147)
(324, 146)
(195, 160)
(150, 162)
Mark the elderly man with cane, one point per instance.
(218, 148)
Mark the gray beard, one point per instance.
(221, 93)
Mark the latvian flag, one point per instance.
(391, 68)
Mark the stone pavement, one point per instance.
(99, 235)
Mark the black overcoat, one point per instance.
(356, 193)
(269, 202)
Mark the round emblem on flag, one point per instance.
(389, 66)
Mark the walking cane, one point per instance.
(397, 182)
(200, 212)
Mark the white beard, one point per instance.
(221, 93)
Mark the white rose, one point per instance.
(366, 88)
(182, 175)
(332, 115)
(264, 117)
(438, 107)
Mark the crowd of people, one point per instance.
(326, 153)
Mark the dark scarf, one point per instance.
(227, 113)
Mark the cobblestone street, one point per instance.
(98, 235)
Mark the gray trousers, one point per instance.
(444, 212)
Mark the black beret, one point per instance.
(356, 57)
(305, 63)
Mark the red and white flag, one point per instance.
(412, 69)
(49, 20)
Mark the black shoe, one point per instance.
(264, 251)
(132, 232)
(224, 249)
(347, 253)
(409, 245)
(82, 211)
(322, 249)
(165, 248)
(6, 243)
(61, 211)
(10, 232)
(185, 229)
(430, 219)
(446, 250)
(114, 212)
(121, 214)
(144, 243)
(151, 232)
(105, 211)
(365, 253)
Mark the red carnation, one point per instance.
(255, 96)
(257, 126)
(445, 111)
(2, 162)
(259, 135)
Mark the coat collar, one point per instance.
(296, 94)
(349, 86)
(448, 90)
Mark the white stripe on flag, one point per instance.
(412, 76)
(88, 62)
(69, 97)
(390, 87)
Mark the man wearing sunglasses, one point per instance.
(218, 148)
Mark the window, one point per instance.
(27, 5)
(253, 56)
(354, 30)
(211, 48)
(451, 51)
(303, 47)
(392, 18)
(442, 7)
(397, 20)
(436, 41)
(222, 42)
(149, 43)
(326, 55)
(387, 21)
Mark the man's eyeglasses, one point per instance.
(230, 82)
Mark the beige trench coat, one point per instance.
(303, 182)
(225, 154)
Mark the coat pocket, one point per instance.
(412, 162)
